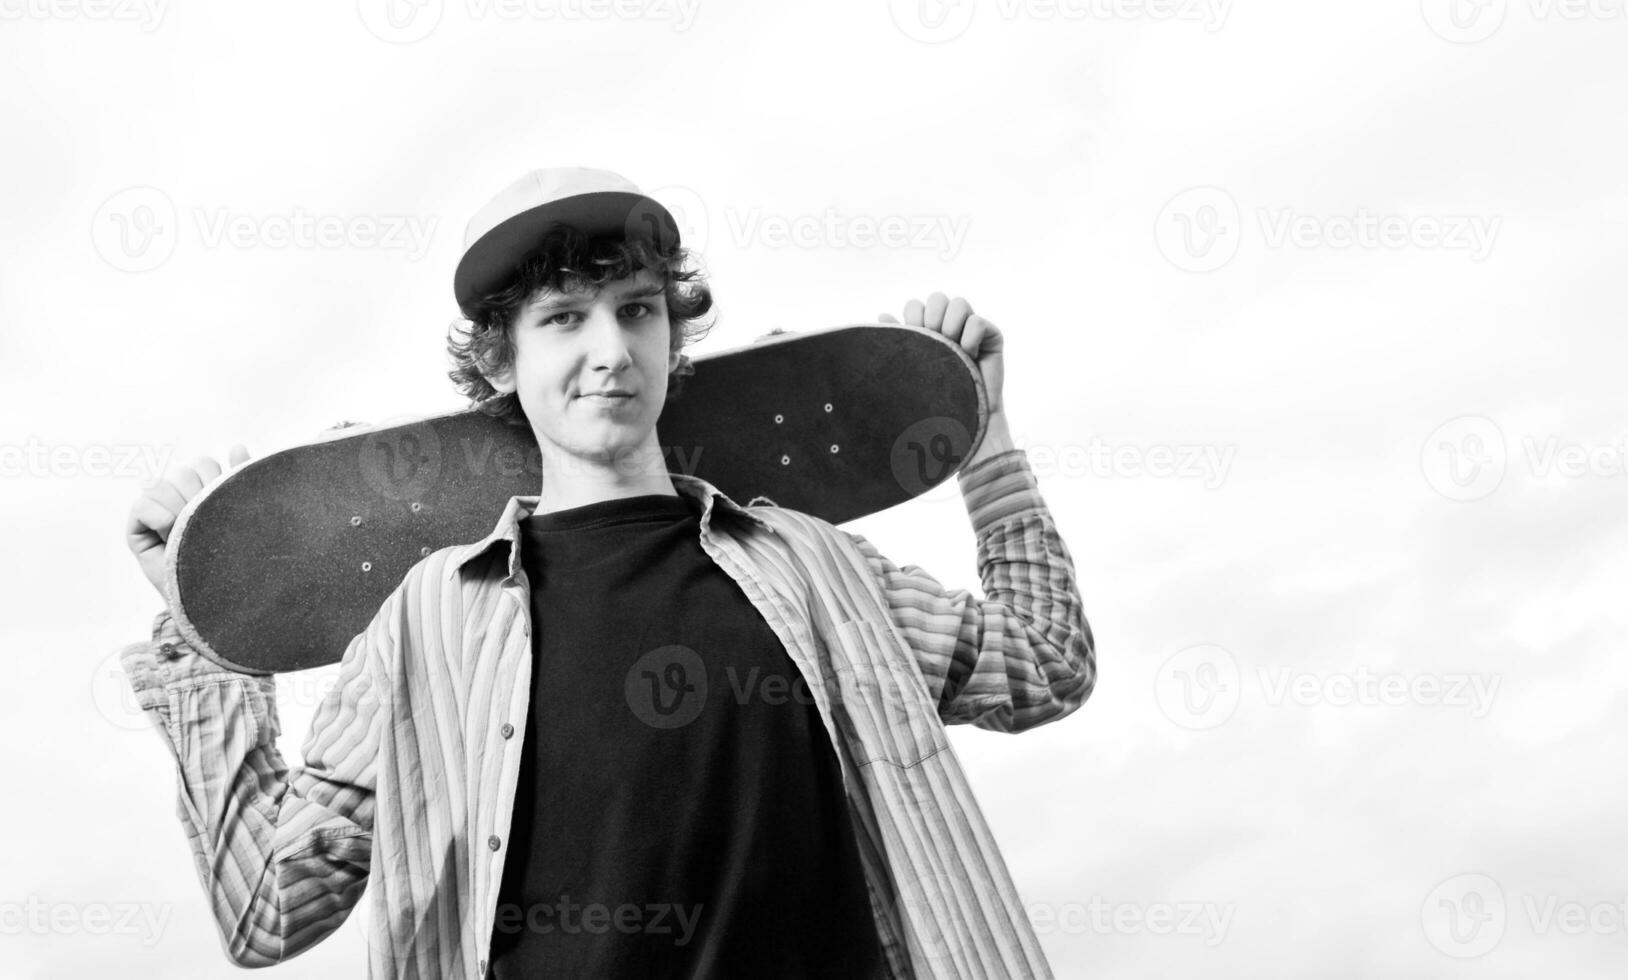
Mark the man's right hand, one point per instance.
(153, 515)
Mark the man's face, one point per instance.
(569, 347)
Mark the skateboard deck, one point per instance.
(279, 563)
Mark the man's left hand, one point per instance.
(977, 336)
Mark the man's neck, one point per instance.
(577, 482)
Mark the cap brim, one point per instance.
(489, 263)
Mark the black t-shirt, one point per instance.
(680, 809)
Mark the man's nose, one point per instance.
(607, 341)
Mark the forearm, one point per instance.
(250, 831)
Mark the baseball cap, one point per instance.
(596, 202)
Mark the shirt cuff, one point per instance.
(169, 660)
(1000, 488)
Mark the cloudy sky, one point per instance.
(1313, 318)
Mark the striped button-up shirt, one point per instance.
(410, 767)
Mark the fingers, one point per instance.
(938, 313)
(207, 470)
(186, 480)
(956, 312)
(165, 494)
(238, 455)
(887, 318)
(981, 337)
(149, 524)
(972, 334)
(934, 318)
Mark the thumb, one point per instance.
(887, 318)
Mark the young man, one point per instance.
(639, 729)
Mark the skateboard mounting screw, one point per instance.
(833, 447)
(784, 460)
(779, 419)
(417, 506)
(355, 520)
(367, 566)
(828, 406)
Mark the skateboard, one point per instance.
(279, 563)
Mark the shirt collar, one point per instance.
(521, 506)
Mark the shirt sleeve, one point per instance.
(283, 855)
(1023, 655)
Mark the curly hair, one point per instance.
(566, 260)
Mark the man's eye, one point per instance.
(642, 310)
(559, 318)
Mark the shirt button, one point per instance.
(167, 649)
(493, 842)
(507, 730)
(481, 969)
